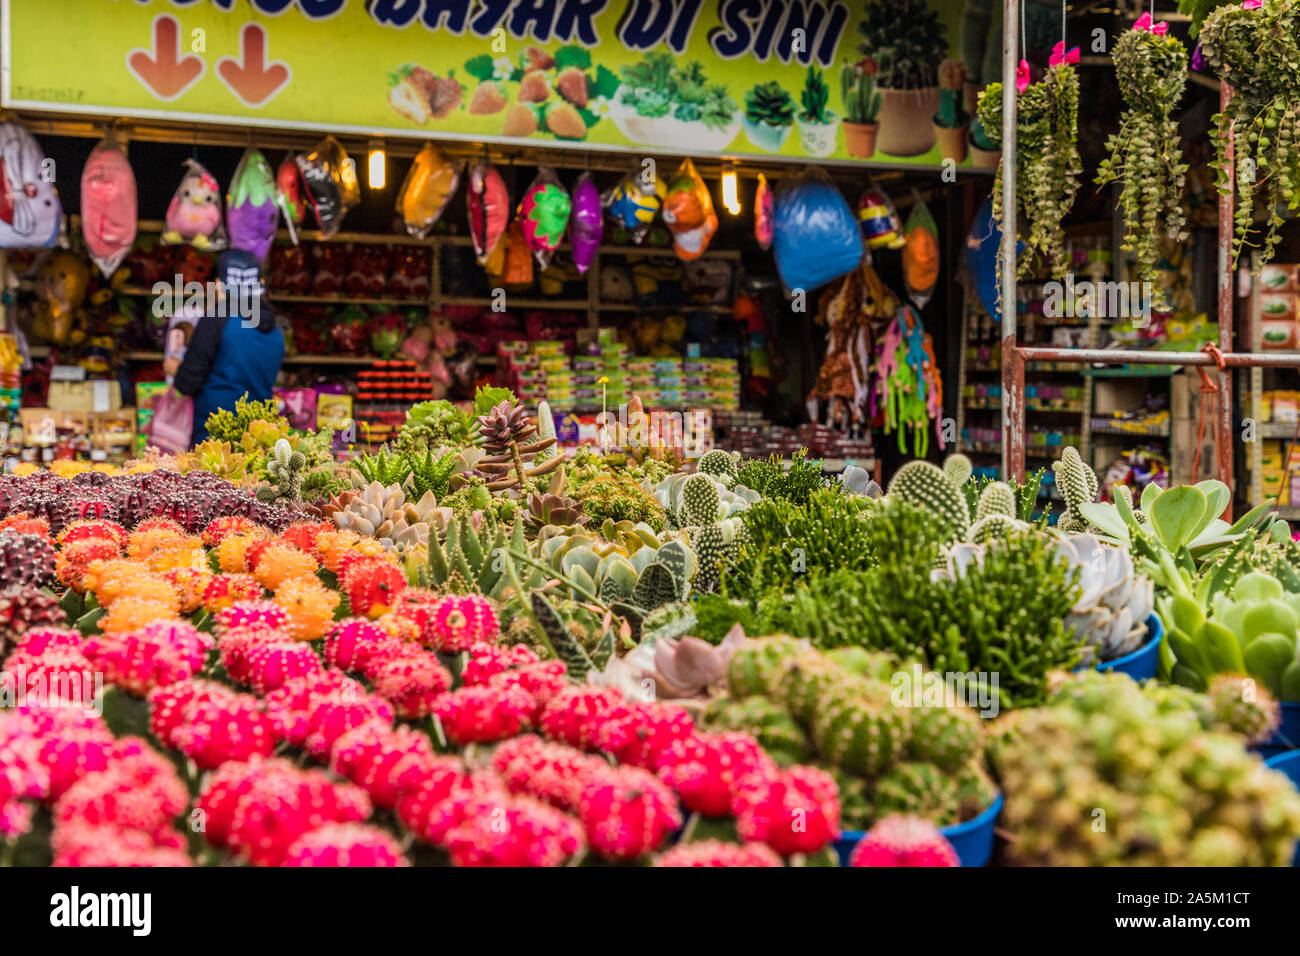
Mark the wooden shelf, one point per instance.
(517, 302)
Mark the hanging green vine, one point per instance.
(1256, 51)
(1047, 163)
(1146, 155)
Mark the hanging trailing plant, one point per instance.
(1256, 51)
(1146, 155)
(1047, 161)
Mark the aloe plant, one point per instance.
(815, 97)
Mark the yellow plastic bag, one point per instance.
(429, 185)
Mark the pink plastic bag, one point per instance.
(172, 427)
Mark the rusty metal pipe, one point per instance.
(1013, 405)
(1031, 353)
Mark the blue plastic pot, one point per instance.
(1289, 764)
(1143, 663)
(1287, 736)
(973, 840)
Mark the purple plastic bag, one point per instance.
(252, 210)
(585, 223)
(172, 427)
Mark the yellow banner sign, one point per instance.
(877, 80)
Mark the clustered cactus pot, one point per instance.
(907, 40)
(862, 101)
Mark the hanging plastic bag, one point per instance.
(252, 206)
(289, 195)
(108, 205)
(763, 208)
(428, 187)
(635, 201)
(331, 180)
(30, 211)
(688, 212)
(61, 282)
(488, 205)
(585, 225)
(543, 214)
(194, 214)
(881, 226)
(921, 255)
(815, 237)
(516, 262)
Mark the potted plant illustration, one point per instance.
(861, 107)
(984, 151)
(951, 121)
(817, 122)
(769, 116)
(906, 39)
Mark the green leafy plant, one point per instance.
(430, 474)
(815, 97)
(769, 103)
(862, 99)
(772, 479)
(1047, 163)
(906, 38)
(1026, 507)
(1146, 153)
(657, 87)
(224, 425)
(433, 425)
(1257, 52)
(385, 467)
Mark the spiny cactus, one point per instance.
(722, 466)
(699, 501)
(934, 488)
(775, 728)
(714, 545)
(920, 789)
(284, 470)
(948, 737)
(997, 499)
(994, 527)
(755, 666)
(1078, 485)
(858, 735)
(475, 555)
(958, 468)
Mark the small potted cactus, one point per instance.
(769, 116)
(861, 107)
(818, 123)
(951, 121)
(984, 150)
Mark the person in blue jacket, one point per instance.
(232, 353)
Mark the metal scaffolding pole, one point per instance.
(1013, 392)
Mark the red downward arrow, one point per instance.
(164, 72)
(252, 81)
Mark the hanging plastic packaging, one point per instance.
(252, 205)
(331, 180)
(488, 204)
(61, 282)
(815, 237)
(881, 227)
(30, 211)
(688, 212)
(543, 214)
(763, 209)
(288, 183)
(194, 214)
(585, 225)
(108, 205)
(920, 255)
(516, 265)
(429, 185)
(635, 201)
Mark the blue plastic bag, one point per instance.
(815, 233)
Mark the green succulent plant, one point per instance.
(815, 98)
(1146, 154)
(769, 103)
(906, 39)
(862, 99)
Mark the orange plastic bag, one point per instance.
(517, 269)
(428, 187)
(688, 212)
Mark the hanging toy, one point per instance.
(61, 282)
(688, 212)
(585, 224)
(108, 205)
(252, 205)
(428, 187)
(194, 214)
(636, 200)
(881, 227)
(764, 200)
(488, 205)
(814, 236)
(921, 255)
(543, 214)
(289, 195)
(331, 180)
(30, 211)
(907, 381)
